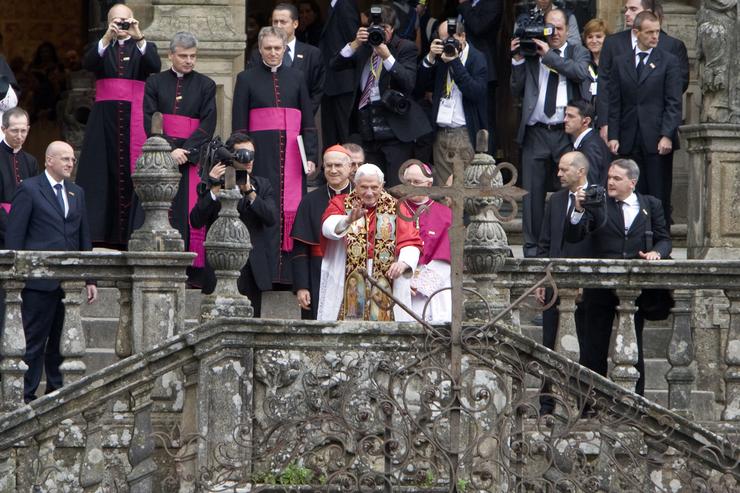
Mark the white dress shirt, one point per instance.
(387, 64)
(458, 112)
(580, 138)
(53, 182)
(102, 47)
(561, 101)
(291, 51)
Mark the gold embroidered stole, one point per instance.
(361, 300)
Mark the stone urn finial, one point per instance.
(155, 182)
(227, 250)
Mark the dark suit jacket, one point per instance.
(621, 42)
(36, 222)
(651, 104)
(609, 240)
(340, 28)
(552, 242)
(471, 79)
(482, 24)
(525, 79)
(599, 157)
(308, 60)
(257, 216)
(402, 77)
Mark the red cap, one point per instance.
(338, 148)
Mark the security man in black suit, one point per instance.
(48, 213)
(458, 82)
(482, 21)
(256, 210)
(625, 42)
(386, 118)
(545, 83)
(339, 90)
(645, 109)
(299, 55)
(627, 225)
(579, 116)
(573, 172)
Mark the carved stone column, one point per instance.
(140, 450)
(124, 336)
(92, 468)
(731, 412)
(227, 250)
(219, 26)
(681, 376)
(624, 350)
(566, 342)
(72, 345)
(7, 470)
(12, 348)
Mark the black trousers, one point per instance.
(389, 155)
(656, 175)
(43, 319)
(247, 286)
(602, 305)
(491, 118)
(335, 117)
(541, 151)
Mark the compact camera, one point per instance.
(124, 25)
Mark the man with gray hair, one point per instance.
(273, 106)
(361, 231)
(187, 101)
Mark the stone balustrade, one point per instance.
(688, 278)
(152, 297)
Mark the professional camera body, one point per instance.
(217, 152)
(376, 33)
(529, 27)
(451, 46)
(595, 196)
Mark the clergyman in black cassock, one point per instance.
(187, 101)
(306, 232)
(115, 130)
(272, 105)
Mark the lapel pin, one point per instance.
(178, 98)
(652, 65)
(71, 194)
(126, 59)
(644, 212)
(299, 55)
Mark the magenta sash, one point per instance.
(6, 206)
(288, 119)
(182, 127)
(133, 92)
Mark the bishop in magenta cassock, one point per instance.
(121, 62)
(433, 271)
(272, 105)
(187, 101)
(306, 232)
(361, 230)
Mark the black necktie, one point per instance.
(641, 63)
(287, 60)
(552, 90)
(571, 205)
(60, 199)
(621, 204)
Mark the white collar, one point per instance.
(15, 151)
(631, 200)
(121, 41)
(178, 74)
(580, 138)
(582, 187)
(52, 181)
(272, 69)
(633, 39)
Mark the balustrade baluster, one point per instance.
(124, 337)
(92, 468)
(681, 376)
(12, 348)
(140, 450)
(72, 345)
(624, 350)
(7, 471)
(731, 412)
(566, 342)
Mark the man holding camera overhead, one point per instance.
(384, 115)
(122, 60)
(546, 75)
(459, 76)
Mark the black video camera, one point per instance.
(451, 46)
(595, 195)
(217, 152)
(395, 101)
(532, 26)
(124, 25)
(376, 33)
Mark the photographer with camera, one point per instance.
(623, 225)
(256, 210)
(121, 61)
(384, 115)
(459, 75)
(545, 81)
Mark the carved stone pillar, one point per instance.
(92, 468)
(190, 440)
(12, 349)
(227, 249)
(124, 335)
(72, 345)
(7, 470)
(566, 342)
(624, 350)
(681, 376)
(140, 450)
(731, 412)
(219, 26)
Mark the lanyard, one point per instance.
(376, 75)
(448, 84)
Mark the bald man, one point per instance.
(48, 213)
(121, 61)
